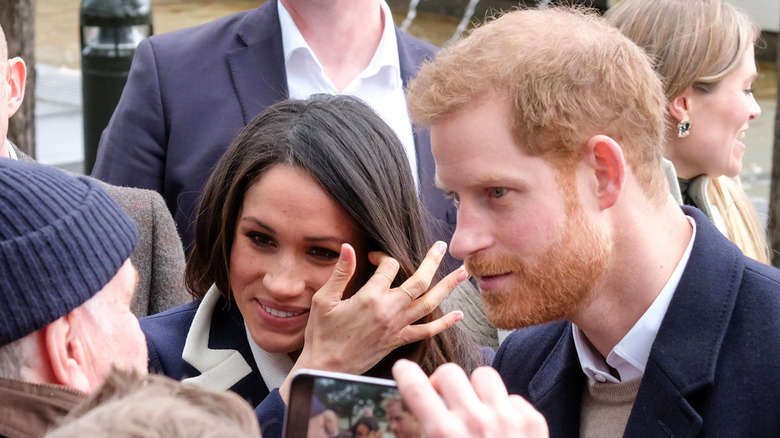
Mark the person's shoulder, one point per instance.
(179, 317)
(136, 197)
(530, 346)
(217, 34)
(415, 46)
(760, 285)
(145, 207)
(409, 39)
(180, 36)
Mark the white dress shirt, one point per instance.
(379, 85)
(629, 356)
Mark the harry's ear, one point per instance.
(66, 353)
(680, 106)
(15, 84)
(605, 157)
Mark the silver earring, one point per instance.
(684, 128)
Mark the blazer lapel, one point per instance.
(220, 366)
(684, 355)
(556, 389)
(257, 69)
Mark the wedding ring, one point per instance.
(407, 292)
(388, 277)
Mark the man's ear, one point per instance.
(605, 157)
(680, 106)
(15, 84)
(66, 353)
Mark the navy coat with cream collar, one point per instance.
(713, 368)
(213, 353)
(205, 342)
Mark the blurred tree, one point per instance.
(17, 17)
(774, 188)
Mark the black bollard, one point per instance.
(110, 32)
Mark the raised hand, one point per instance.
(353, 335)
(449, 405)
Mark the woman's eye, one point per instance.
(324, 253)
(749, 91)
(260, 239)
(497, 192)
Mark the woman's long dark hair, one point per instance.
(360, 162)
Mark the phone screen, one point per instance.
(324, 404)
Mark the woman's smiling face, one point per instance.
(288, 236)
(719, 119)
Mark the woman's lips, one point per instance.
(276, 314)
(280, 313)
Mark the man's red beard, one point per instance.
(557, 284)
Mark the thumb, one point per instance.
(334, 288)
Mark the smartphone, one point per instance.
(357, 403)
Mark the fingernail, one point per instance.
(462, 275)
(457, 315)
(441, 247)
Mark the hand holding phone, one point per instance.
(449, 405)
(327, 404)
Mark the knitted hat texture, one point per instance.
(62, 239)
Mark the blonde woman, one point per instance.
(703, 50)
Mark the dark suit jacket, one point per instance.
(713, 368)
(190, 92)
(158, 255)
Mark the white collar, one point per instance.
(11, 151)
(219, 369)
(385, 56)
(274, 367)
(629, 356)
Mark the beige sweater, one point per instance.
(606, 407)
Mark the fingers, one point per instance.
(334, 288)
(488, 385)
(418, 283)
(426, 303)
(386, 268)
(417, 392)
(451, 382)
(478, 407)
(418, 332)
(535, 424)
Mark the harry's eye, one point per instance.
(749, 91)
(324, 253)
(497, 192)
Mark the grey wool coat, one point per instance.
(158, 255)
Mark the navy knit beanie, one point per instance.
(61, 240)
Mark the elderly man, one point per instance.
(159, 255)
(641, 318)
(66, 283)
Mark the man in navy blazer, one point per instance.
(641, 318)
(190, 92)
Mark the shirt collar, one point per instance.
(274, 367)
(11, 151)
(629, 356)
(385, 56)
